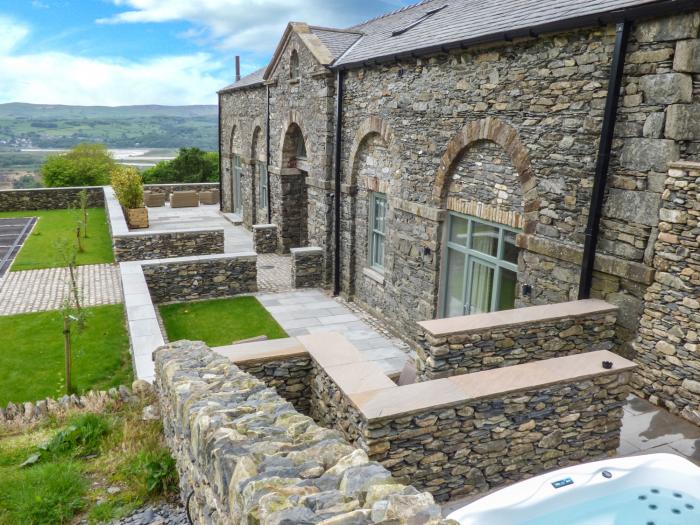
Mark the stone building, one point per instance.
(450, 160)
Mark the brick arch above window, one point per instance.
(508, 138)
(370, 126)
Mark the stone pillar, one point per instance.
(265, 238)
(307, 267)
(668, 346)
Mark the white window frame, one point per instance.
(376, 235)
(263, 183)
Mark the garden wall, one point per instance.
(468, 433)
(194, 186)
(49, 198)
(202, 277)
(245, 455)
(668, 346)
(459, 345)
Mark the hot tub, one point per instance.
(656, 489)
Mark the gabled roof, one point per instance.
(337, 41)
(435, 23)
(253, 79)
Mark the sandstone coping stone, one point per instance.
(247, 456)
(518, 316)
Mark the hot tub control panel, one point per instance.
(563, 483)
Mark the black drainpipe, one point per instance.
(221, 163)
(603, 163)
(340, 75)
(267, 157)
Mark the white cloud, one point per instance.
(63, 78)
(245, 25)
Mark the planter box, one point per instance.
(136, 218)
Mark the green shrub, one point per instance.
(84, 165)
(42, 495)
(155, 470)
(128, 187)
(82, 437)
(190, 165)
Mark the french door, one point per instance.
(236, 184)
(481, 269)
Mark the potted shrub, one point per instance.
(128, 187)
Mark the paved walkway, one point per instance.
(274, 272)
(204, 216)
(43, 290)
(311, 311)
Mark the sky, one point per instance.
(126, 52)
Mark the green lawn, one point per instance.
(39, 250)
(31, 356)
(219, 322)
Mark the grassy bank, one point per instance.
(39, 250)
(220, 322)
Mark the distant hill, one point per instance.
(56, 126)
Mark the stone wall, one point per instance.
(668, 347)
(185, 279)
(247, 456)
(194, 186)
(49, 198)
(136, 246)
(307, 267)
(461, 345)
(265, 238)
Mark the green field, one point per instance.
(39, 250)
(31, 357)
(219, 322)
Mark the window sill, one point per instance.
(373, 275)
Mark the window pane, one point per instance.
(506, 299)
(459, 230)
(454, 296)
(510, 250)
(481, 288)
(379, 213)
(485, 239)
(377, 250)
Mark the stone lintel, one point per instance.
(405, 400)
(519, 316)
(604, 263)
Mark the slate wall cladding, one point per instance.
(163, 245)
(248, 456)
(473, 350)
(49, 198)
(307, 267)
(668, 346)
(289, 377)
(205, 277)
(480, 444)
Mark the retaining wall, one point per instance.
(473, 343)
(49, 198)
(184, 279)
(247, 456)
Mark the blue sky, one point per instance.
(120, 52)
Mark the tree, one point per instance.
(190, 165)
(84, 165)
(26, 181)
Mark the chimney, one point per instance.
(238, 68)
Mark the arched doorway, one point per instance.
(294, 205)
(486, 183)
(233, 200)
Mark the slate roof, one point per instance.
(462, 20)
(336, 40)
(252, 79)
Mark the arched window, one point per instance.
(294, 65)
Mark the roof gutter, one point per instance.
(336, 174)
(607, 134)
(656, 9)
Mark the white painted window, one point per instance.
(377, 231)
(263, 181)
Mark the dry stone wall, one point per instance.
(307, 267)
(554, 334)
(265, 238)
(49, 198)
(668, 347)
(247, 456)
(185, 279)
(163, 245)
